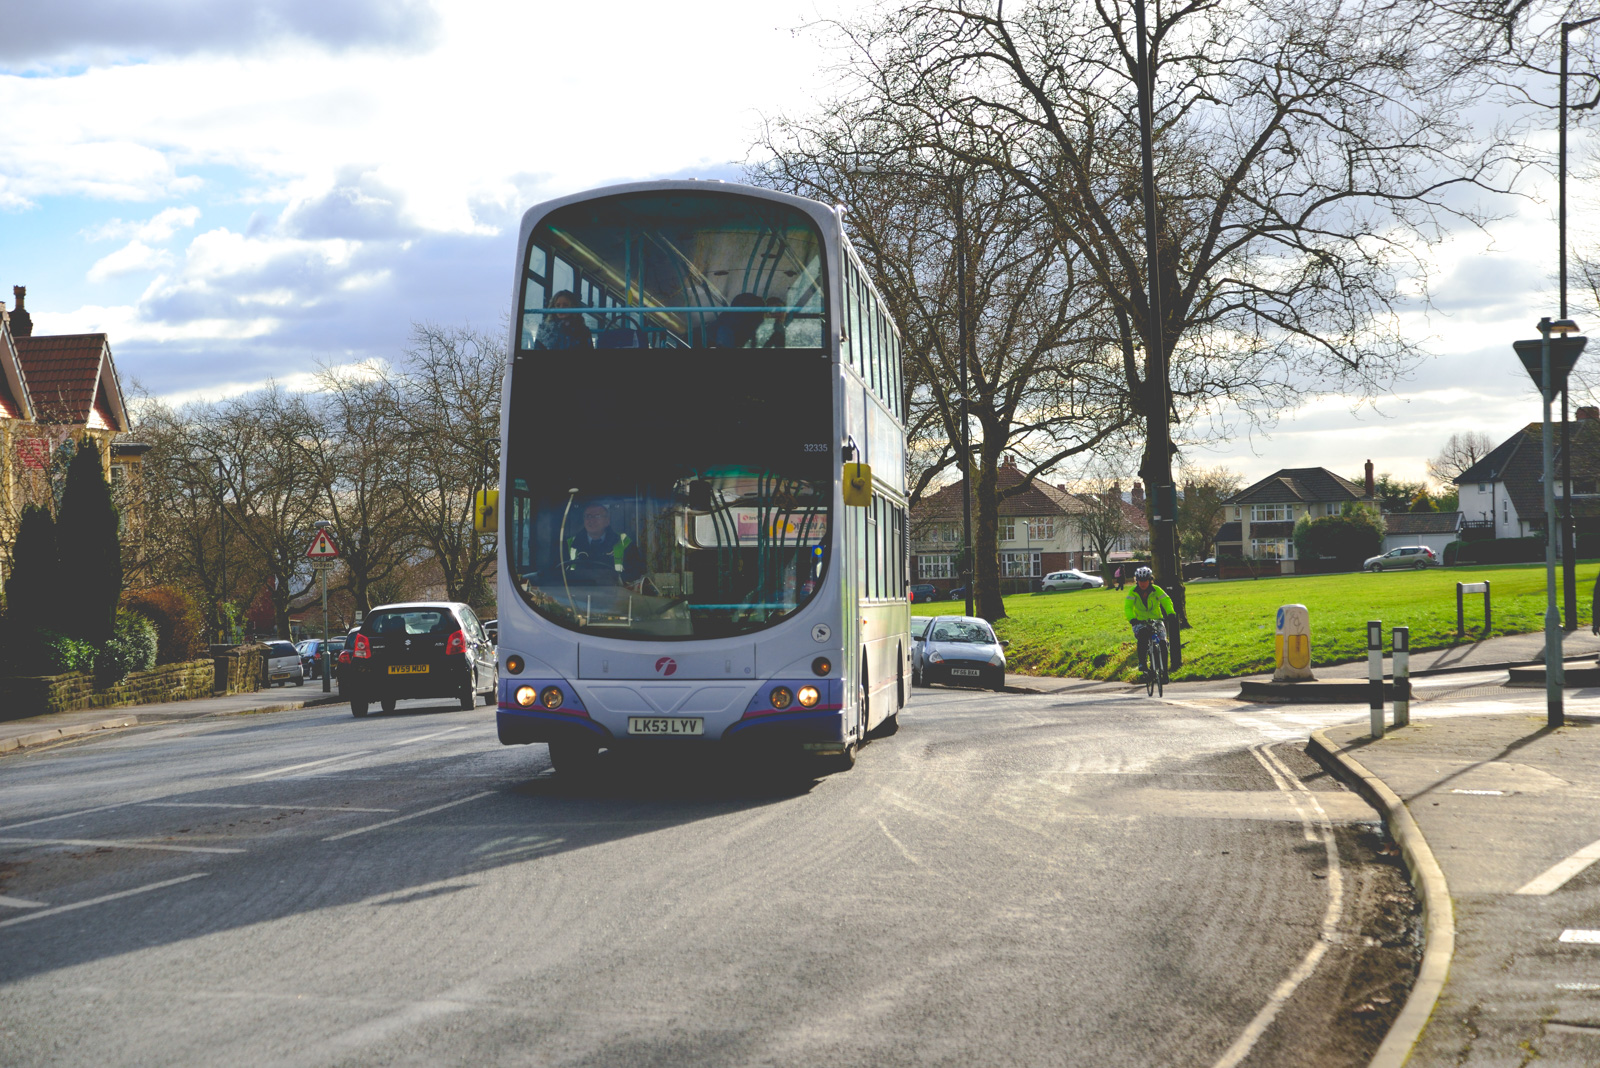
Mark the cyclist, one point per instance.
(1146, 603)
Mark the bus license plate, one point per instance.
(408, 669)
(659, 725)
(974, 672)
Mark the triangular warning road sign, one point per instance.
(322, 547)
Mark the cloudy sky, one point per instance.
(237, 191)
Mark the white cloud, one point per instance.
(134, 256)
(297, 382)
(158, 227)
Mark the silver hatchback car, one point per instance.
(1414, 557)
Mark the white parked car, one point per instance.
(284, 664)
(1070, 579)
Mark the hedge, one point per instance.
(1500, 551)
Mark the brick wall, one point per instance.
(43, 694)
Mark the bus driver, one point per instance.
(598, 555)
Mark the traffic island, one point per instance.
(1533, 675)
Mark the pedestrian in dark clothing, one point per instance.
(1119, 578)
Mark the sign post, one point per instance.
(1548, 363)
(322, 552)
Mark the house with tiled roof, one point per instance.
(1038, 531)
(1261, 518)
(55, 391)
(1504, 491)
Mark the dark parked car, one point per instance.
(311, 651)
(423, 649)
(922, 592)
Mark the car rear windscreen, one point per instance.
(411, 621)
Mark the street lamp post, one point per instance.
(1569, 562)
(969, 571)
(327, 648)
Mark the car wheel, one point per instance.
(1420, 565)
(301, 681)
(468, 697)
(387, 704)
(358, 709)
(574, 760)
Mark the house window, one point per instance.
(1042, 528)
(932, 567)
(949, 532)
(1271, 513)
(1269, 548)
(1019, 565)
(1483, 487)
(1008, 530)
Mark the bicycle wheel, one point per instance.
(1158, 665)
(1150, 671)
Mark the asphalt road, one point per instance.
(1088, 879)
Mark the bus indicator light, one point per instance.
(809, 696)
(514, 664)
(781, 697)
(821, 666)
(551, 697)
(526, 695)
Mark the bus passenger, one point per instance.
(780, 326)
(564, 331)
(737, 329)
(598, 555)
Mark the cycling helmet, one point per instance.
(1142, 574)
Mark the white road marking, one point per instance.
(1283, 784)
(409, 816)
(1588, 938)
(1558, 875)
(307, 764)
(63, 816)
(1465, 678)
(113, 844)
(102, 900)
(425, 737)
(20, 903)
(297, 808)
(1330, 929)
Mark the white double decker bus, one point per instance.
(702, 499)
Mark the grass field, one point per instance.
(1083, 634)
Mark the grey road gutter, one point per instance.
(56, 734)
(1438, 914)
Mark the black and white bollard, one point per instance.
(1375, 673)
(1402, 676)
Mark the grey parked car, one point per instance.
(962, 651)
(1406, 557)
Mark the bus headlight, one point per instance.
(809, 696)
(526, 695)
(781, 697)
(551, 697)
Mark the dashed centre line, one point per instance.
(408, 816)
(425, 737)
(42, 913)
(307, 764)
(297, 808)
(108, 843)
(20, 903)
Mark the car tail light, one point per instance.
(363, 649)
(456, 644)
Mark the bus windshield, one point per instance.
(674, 270)
(668, 496)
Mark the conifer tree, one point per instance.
(33, 588)
(90, 581)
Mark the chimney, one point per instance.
(21, 321)
(1137, 494)
(1588, 413)
(1371, 489)
(1114, 493)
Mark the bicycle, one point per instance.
(1155, 676)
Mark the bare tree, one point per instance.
(1202, 512)
(1104, 519)
(450, 449)
(349, 447)
(1039, 383)
(1461, 450)
(1307, 156)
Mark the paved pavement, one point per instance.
(1503, 813)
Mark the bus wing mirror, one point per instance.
(857, 485)
(700, 495)
(486, 511)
